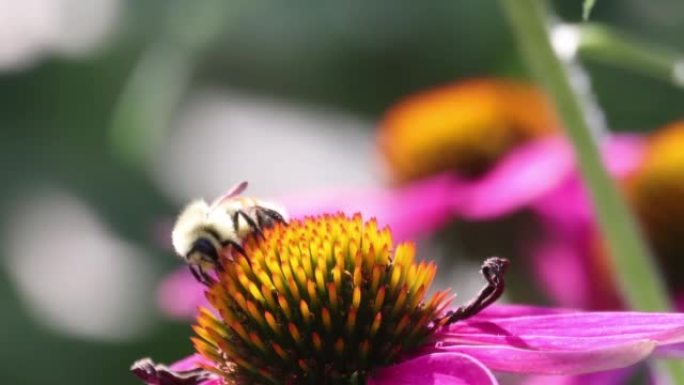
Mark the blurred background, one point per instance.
(114, 113)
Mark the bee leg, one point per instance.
(235, 246)
(250, 222)
(201, 276)
(266, 217)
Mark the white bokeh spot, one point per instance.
(220, 139)
(72, 274)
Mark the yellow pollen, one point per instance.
(379, 299)
(356, 299)
(294, 332)
(327, 322)
(375, 326)
(272, 323)
(304, 310)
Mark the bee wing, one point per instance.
(233, 192)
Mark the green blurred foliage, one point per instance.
(56, 116)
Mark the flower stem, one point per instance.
(636, 273)
(635, 270)
(604, 44)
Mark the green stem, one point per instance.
(143, 113)
(604, 44)
(635, 270)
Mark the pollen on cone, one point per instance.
(330, 285)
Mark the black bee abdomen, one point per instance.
(204, 246)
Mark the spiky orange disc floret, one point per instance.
(318, 301)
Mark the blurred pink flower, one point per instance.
(503, 338)
(564, 257)
(570, 261)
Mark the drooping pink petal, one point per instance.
(564, 343)
(662, 327)
(190, 362)
(623, 153)
(561, 271)
(435, 369)
(570, 201)
(184, 372)
(562, 361)
(526, 174)
(565, 260)
(499, 311)
(565, 264)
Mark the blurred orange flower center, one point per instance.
(656, 190)
(464, 127)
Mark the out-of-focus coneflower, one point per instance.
(465, 127)
(651, 171)
(332, 300)
(572, 254)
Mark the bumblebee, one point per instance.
(203, 232)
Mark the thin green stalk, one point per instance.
(143, 113)
(604, 44)
(634, 268)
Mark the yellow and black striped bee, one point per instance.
(203, 231)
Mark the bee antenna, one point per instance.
(234, 191)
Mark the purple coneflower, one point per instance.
(651, 172)
(331, 300)
(572, 254)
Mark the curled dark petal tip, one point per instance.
(156, 374)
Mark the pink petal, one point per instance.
(498, 311)
(562, 272)
(179, 294)
(560, 261)
(188, 363)
(584, 360)
(623, 153)
(435, 369)
(564, 343)
(528, 173)
(410, 211)
(663, 327)
(186, 371)
(608, 377)
(192, 362)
